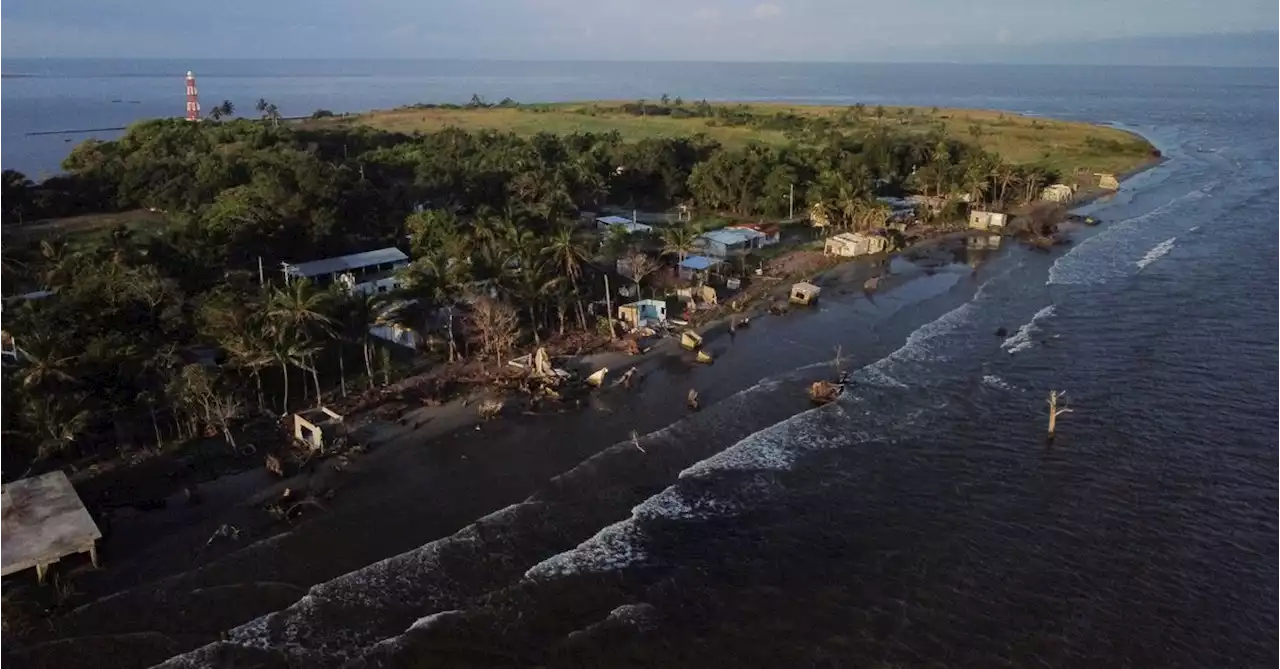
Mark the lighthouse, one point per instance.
(193, 99)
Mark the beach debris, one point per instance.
(224, 531)
(690, 340)
(804, 293)
(744, 322)
(626, 379)
(870, 285)
(597, 377)
(692, 400)
(538, 364)
(824, 392)
(704, 358)
(490, 407)
(1057, 407)
(274, 465)
(635, 441)
(779, 308)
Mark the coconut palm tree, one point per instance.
(299, 306)
(45, 365)
(680, 240)
(287, 349)
(56, 421)
(355, 315)
(563, 249)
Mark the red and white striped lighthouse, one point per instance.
(193, 99)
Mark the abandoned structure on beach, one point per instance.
(1057, 193)
(43, 522)
(643, 313)
(317, 428)
(987, 220)
(849, 244)
(364, 273)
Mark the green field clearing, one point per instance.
(1066, 146)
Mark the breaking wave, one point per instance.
(1102, 257)
(1159, 251)
(1022, 339)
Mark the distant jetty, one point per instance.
(73, 132)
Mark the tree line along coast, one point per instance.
(154, 249)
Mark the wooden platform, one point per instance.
(43, 522)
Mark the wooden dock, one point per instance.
(43, 522)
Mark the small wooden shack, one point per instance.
(804, 293)
(43, 522)
(317, 428)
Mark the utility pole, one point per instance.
(608, 304)
(262, 280)
(791, 203)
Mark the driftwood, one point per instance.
(275, 466)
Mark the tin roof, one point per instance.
(699, 262)
(347, 262)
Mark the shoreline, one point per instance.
(448, 450)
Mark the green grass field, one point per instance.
(85, 228)
(1066, 146)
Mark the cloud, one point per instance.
(766, 11)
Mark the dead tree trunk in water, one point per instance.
(1054, 410)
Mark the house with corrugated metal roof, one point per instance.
(727, 241)
(365, 273)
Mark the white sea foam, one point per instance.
(920, 345)
(615, 547)
(1159, 251)
(999, 383)
(1104, 256)
(1023, 338)
(427, 622)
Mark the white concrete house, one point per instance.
(987, 220)
(850, 244)
(1058, 193)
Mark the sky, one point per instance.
(721, 30)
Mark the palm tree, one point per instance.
(530, 284)
(297, 313)
(438, 279)
(44, 365)
(300, 307)
(565, 250)
(269, 111)
(680, 240)
(288, 350)
(56, 421)
(355, 315)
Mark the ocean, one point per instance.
(921, 519)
